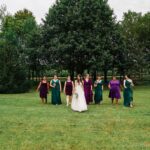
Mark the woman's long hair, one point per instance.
(79, 80)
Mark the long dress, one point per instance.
(87, 91)
(128, 92)
(69, 88)
(114, 89)
(78, 100)
(98, 92)
(43, 90)
(56, 99)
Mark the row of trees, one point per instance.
(76, 35)
(16, 52)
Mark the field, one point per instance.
(26, 124)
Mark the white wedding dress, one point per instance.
(78, 99)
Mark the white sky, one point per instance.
(40, 7)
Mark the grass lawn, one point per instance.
(26, 124)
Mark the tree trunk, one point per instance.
(32, 75)
(36, 76)
(113, 71)
(94, 75)
(71, 71)
(105, 75)
(29, 74)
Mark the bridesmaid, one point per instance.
(114, 86)
(68, 90)
(43, 88)
(98, 90)
(87, 84)
(128, 93)
(56, 90)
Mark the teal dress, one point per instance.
(128, 93)
(98, 92)
(56, 99)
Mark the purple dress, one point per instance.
(69, 88)
(114, 89)
(87, 91)
(43, 90)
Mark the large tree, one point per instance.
(35, 58)
(77, 35)
(135, 30)
(144, 39)
(13, 49)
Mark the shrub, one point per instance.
(16, 82)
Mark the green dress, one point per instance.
(98, 92)
(56, 99)
(128, 93)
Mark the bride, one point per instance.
(78, 100)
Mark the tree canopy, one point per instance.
(76, 36)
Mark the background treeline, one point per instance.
(76, 36)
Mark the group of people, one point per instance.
(79, 94)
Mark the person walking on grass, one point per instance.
(68, 90)
(55, 84)
(98, 97)
(114, 86)
(128, 92)
(78, 101)
(43, 89)
(87, 84)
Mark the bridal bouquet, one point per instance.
(76, 95)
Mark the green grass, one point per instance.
(26, 124)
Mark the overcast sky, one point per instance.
(40, 7)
